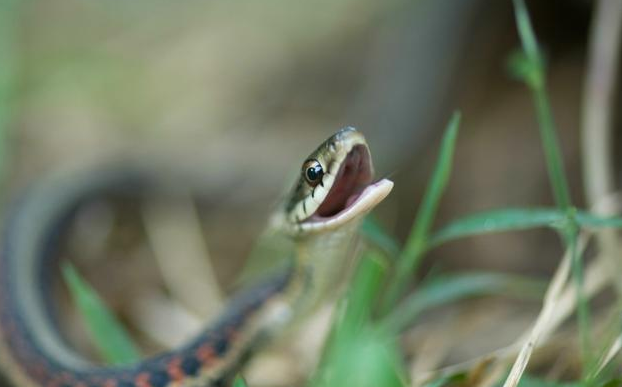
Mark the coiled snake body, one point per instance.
(321, 214)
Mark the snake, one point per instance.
(321, 214)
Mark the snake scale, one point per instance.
(321, 214)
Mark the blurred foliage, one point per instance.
(555, 166)
(239, 382)
(132, 84)
(415, 246)
(443, 289)
(9, 17)
(112, 341)
(513, 219)
(358, 353)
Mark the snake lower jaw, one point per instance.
(357, 207)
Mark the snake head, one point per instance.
(335, 186)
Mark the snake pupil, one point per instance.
(313, 172)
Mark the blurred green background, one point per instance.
(249, 87)
(241, 91)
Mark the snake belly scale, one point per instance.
(321, 214)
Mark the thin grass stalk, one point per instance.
(557, 176)
(583, 313)
(417, 242)
(536, 82)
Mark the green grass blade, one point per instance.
(459, 378)
(609, 349)
(586, 219)
(554, 164)
(416, 244)
(535, 80)
(516, 219)
(527, 36)
(615, 382)
(112, 341)
(369, 359)
(356, 353)
(511, 219)
(606, 359)
(377, 235)
(364, 289)
(239, 382)
(361, 296)
(531, 381)
(583, 312)
(450, 288)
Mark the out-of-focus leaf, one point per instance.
(617, 382)
(530, 381)
(112, 341)
(355, 309)
(363, 291)
(589, 220)
(239, 382)
(10, 14)
(536, 81)
(498, 221)
(271, 253)
(449, 288)
(367, 359)
(375, 233)
(416, 244)
(446, 379)
(515, 219)
(522, 68)
(356, 353)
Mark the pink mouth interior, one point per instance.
(354, 175)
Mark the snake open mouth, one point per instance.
(352, 192)
(336, 186)
(353, 176)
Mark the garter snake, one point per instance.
(321, 214)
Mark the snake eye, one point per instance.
(313, 172)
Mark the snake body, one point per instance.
(321, 214)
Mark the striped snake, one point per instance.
(321, 215)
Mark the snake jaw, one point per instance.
(353, 176)
(346, 191)
(358, 205)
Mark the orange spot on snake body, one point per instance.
(206, 354)
(174, 370)
(142, 380)
(110, 383)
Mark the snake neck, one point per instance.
(323, 261)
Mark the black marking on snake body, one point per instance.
(190, 365)
(304, 207)
(159, 378)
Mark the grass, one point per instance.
(9, 9)
(535, 80)
(363, 348)
(111, 339)
(410, 256)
